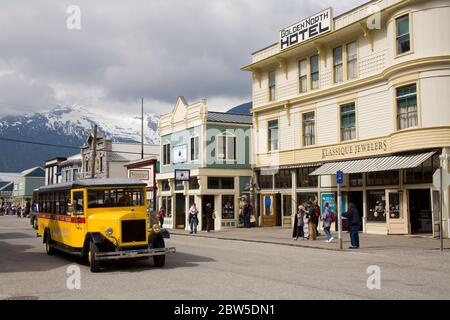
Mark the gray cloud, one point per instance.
(157, 49)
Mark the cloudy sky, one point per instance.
(156, 49)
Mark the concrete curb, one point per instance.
(259, 241)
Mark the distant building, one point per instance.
(28, 181)
(145, 170)
(70, 169)
(6, 190)
(52, 171)
(205, 158)
(111, 157)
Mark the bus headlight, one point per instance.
(109, 232)
(156, 228)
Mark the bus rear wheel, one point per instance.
(94, 264)
(159, 261)
(48, 247)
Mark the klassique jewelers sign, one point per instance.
(308, 28)
(354, 149)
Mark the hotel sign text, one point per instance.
(354, 149)
(306, 29)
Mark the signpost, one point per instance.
(339, 181)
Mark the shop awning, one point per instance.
(373, 164)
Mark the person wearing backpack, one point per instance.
(327, 217)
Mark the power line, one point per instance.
(67, 146)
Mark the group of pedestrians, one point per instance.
(193, 218)
(309, 214)
(12, 210)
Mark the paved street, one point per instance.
(210, 268)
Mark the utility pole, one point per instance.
(94, 153)
(142, 128)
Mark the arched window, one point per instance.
(226, 147)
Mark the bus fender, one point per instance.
(96, 237)
(46, 232)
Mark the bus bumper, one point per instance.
(129, 254)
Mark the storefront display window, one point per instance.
(305, 180)
(283, 179)
(227, 207)
(356, 179)
(306, 197)
(422, 173)
(287, 205)
(265, 181)
(166, 202)
(376, 202)
(383, 178)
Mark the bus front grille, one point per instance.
(133, 230)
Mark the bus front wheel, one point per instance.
(94, 264)
(159, 261)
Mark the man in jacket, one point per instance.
(209, 217)
(354, 223)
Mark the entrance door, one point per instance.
(180, 211)
(269, 210)
(396, 217)
(420, 213)
(205, 201)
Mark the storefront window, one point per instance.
(265, 181)
(165, 186)
(383, 178)
(304, 179)
(227, 207)
(423, 173)
(193, 183)
(376, 202)
(287, 205)
(166, 203)
(356, 179)
(283, 179)
(220, 183)
(306, 197)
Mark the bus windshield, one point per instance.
(115, 197)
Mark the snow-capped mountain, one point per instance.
(69, 126)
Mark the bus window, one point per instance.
(78, 202)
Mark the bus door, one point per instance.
(77, 218)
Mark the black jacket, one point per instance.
(353, 217)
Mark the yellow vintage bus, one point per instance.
(99, 219)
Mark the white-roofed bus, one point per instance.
(99, 219)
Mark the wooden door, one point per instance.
(396, 214)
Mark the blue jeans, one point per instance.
(327, 233)
(300, 232)
(193, 225)
(354, 235)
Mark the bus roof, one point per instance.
(111, 182)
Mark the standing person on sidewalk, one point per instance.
(317, 210)
(354, 223)
(161, 216)
(301, 222)
(296, 221)
(314, 218)
(311, 222)
(193, 218)
(209, 217)
(327, 217)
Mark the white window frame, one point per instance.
(192, 138)
(164, 154)
(227, 136)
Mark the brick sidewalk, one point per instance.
(282, 236)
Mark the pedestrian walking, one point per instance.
(209, 217)
(193, 218)
(354, 223)
(161, 216)
(327, 217)
(300, 222)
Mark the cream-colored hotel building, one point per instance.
(366, 92)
